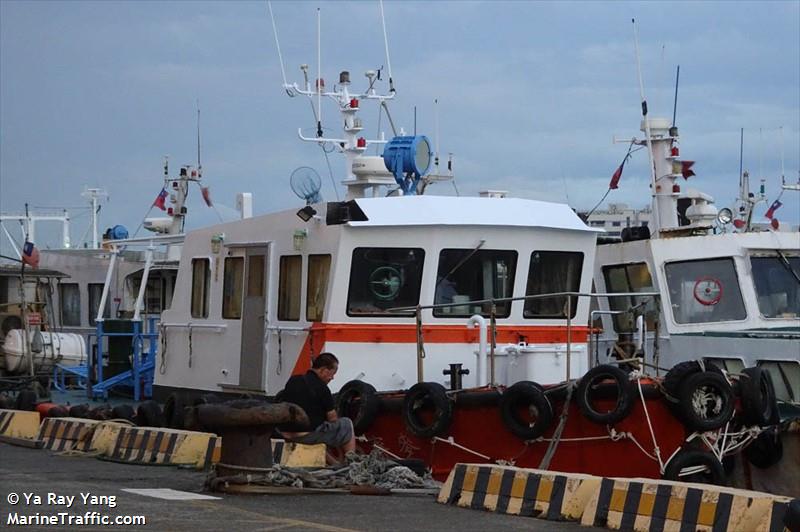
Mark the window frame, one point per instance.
(320, 315)
(794, 393)
(625, 266)
(350, 286)
(237, 288)
(299, 294)
(575, 299)
(61, 299)
(89, 306)
(755, 287)
(205, 292)
(668, 290)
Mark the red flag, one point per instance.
(614, 184)
(161, 200)
(30, 255)
(206, 195)
(683, 168)
(772, 208)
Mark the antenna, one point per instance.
(278, 46)
(436, 132)
(319, 74)
(675, 101)
(415, 120)
(386, 45)
(783, 170)
(646, 120)
(199, 166)
(741, 157)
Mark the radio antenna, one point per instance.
(675, 101)
(319, 75)
(278, 45)
(386, 46)
(199, 166)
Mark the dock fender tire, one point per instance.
(26, 400)
(79, 411)
(149, 414)
(714, 474)
(679, 373)
(425, 396)
(123, 412)
(526, 396)
(358, 401)
(587, 387)
(174, 412)
(791, 519)
(766, 450)
(705, 401)
(758, 397)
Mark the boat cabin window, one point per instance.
(785, 377)
(289, 287)
(319, 267)
(551, 272)
(70, 296)
(384, 278)
(95, 294)
(703, 291)
(731, 365)
(633, 277)
(466, 275)
(777, 283)
(232, 285)
(201, 279)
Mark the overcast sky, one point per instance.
(531, 95)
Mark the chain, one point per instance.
(280, 354)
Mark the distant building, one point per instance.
(617, 217)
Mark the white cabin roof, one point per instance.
(449, 210)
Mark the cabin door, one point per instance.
(251, 369)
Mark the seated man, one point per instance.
(311, 393)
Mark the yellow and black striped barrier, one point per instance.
(642, 505)
(20, 427)
(148, 445)
(525, 492)
(67, 433)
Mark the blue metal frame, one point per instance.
(140, 376)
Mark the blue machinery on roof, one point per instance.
(409, 159)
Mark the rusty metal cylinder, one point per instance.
(246, 428)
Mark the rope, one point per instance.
(656, 449)
(551, 449)
(452, 442)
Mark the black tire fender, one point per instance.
(705, 401)
(587, 386)
(358, 401)
(715, 474)
(149, 414)
(426, 395)
(766, 450)
(679, 373)
(174, 411)
(123, 412)
(529, 396)
(79, 411)
(26, 400)
(759, 404)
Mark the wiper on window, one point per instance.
(461, 262)
(786, 264)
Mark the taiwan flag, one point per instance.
(772, 208)
(161, 200)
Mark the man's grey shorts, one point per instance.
(331, 433)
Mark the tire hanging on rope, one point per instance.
(679, 373)
(705, 401)
(427, 410)
(525, 410)
(680, 466)
(759, 405)
(766, 450)
(594, 385)
(358, 401)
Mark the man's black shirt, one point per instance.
(311, 394)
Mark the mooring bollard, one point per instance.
(246, 427)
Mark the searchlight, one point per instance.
(408, 158)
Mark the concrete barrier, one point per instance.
(618, 504)
(67, 433)
(526, 492)
(20, 427)
(292, 454)
(148, 445)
